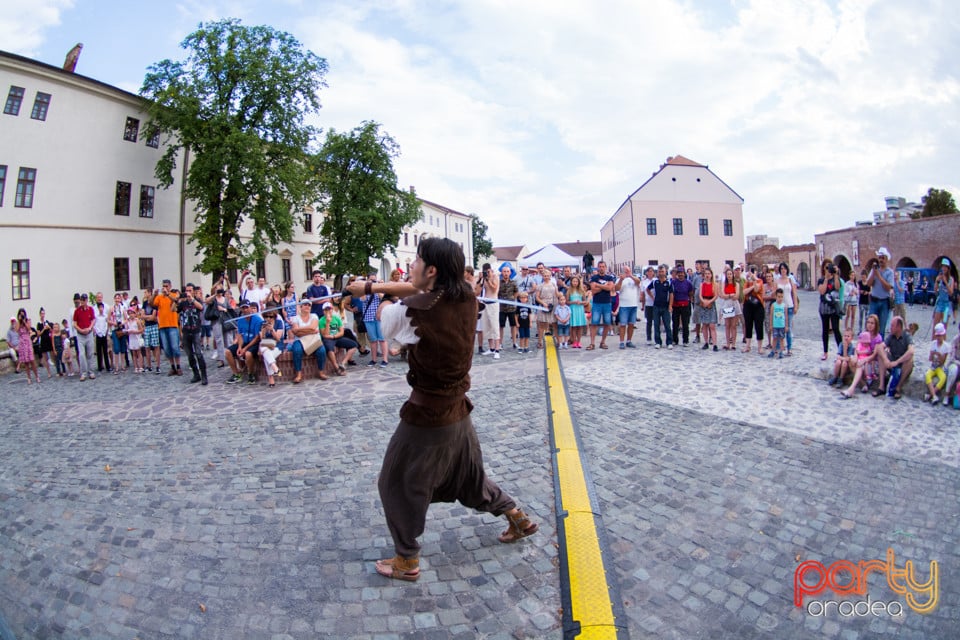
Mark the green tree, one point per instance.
(937, 202)
(237, 106)
(364, 210)
(482, 245)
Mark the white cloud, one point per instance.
(22, 24)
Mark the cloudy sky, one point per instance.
(543, 116)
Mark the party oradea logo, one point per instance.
(844, 578)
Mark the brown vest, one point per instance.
(440, 361)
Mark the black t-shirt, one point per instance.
(864, 293)
(190, 316)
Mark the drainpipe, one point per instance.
(183, 215)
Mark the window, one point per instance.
(153, 137)
(3, 181)
(121, 203)
(406, 239)
(14, 98)
(728, 227)
(653, 263)
(121, 274)
(308, 223)
(146, 273)
(146, 201)
(40, 106)
(20, 279)
(679, 264)
(285, 267)
(704, 263)
(308, 268)
(232, 274)
(25, 183)
(131, 129)
(704, 227)
(261, 268)
(651, 226)
(729, 263)
(415, 242)
(678, 226)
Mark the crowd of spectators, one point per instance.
(254, 325)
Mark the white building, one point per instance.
(80, 209)
(682, 214)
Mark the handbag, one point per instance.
(211, 313)
(728, 312)
(268, 343)
(310, 342)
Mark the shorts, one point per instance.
(523, 332)
(779, 333)
(601, 314)
(627, 315)
(119, 343)
(564, 329)
(508, 317)
(941, 307)
(151, 336)
(374, 330)
(490, 319)
(206, 331)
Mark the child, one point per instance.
(781, 324)
(562, 315)
(58, 342)
(953, 372)
(523, 323)
(846, 359)
(939, 351)
(66, 356)
(866, 353)
(134, 328)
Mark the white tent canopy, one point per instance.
(550, 256)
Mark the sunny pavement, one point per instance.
(250, 512)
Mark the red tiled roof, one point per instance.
(680, 160)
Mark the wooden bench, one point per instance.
(285, 362)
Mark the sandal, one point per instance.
(745, 350)
(877, 393)
(896, 395)
(299, 378)
(399, 568)
(603, 346)
(590, 347)
(520, 526)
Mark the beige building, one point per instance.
(682, 214)
(80, 208)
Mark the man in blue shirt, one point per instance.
(601, 284)
(880, 282)
(245, 347)
(318, 289)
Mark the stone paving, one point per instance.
(141, 506)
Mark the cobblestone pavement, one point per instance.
(141, 506)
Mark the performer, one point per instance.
(434, 455)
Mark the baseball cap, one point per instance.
(305, 301)
(83, 296)
(945, 262)
(76, 296)
(244, 303)
(13, 318)
(939, 330)
(327, 305)
(882, 251)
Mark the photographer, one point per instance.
(830, 287)
(190, 308)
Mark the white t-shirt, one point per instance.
(647, 294)
(629, 295)
(395, 324)
(943, 349)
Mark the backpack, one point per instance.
(210, 312)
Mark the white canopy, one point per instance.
(550, 256)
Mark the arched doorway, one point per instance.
(803, 275)
(906, 263)
(843, 265)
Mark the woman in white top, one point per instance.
(785, 282)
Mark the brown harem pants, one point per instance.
(433, 464)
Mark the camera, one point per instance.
(832, 269)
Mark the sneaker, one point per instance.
(715, 348)
(496, 355)
(832, 381)
(234, 379)
(934, 399)
(157, 371)
(83, 377)
(372, 363)
(484, 352)
(772, 354)
(623, 345)
(251, 379)
(705, 346)
(946, 401)
(516, 346)
(926, 397)
(656, 346)
(383, 364)
(780, 356)
(490, 352)
(630, 345)
(669, 346)
(93, 376)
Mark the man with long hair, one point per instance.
(434, 455)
